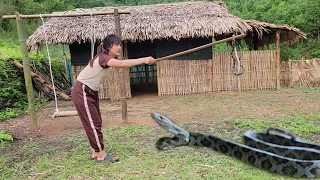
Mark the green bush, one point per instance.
(315, 53)
(12, 96)
(5, 137)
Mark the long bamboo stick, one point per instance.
(200, 47)
(22, 16)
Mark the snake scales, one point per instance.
(274, 150)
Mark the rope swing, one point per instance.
(51, 74)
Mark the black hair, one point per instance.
(105, 46)
(111, 40)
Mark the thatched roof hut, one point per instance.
(148, 22)
(163, 29)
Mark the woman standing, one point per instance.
(85, 91)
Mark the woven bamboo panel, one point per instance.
(301, 73)
(285, 74)
(110, 89)
(180, 77)
(259, 71)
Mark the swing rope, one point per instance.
(50, 65)
(51, 74)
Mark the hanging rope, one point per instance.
(236, 70)
(52, 80)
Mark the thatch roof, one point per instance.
(266, 32)
(172, 20)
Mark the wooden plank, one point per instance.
(22, 16)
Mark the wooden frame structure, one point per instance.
(26, 60)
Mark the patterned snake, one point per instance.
(275, 150)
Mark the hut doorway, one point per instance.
(143, 78)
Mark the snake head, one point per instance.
(168, 125)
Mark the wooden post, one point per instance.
(158, 78)
(210, 75)
(125, 50)
(122, 71)
(278, 58)
(238, 84)
(26, 70)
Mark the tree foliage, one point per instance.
(302, 14)
(12, 94)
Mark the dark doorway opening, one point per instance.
(143, 78)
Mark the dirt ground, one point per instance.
(266, 104)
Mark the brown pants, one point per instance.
(86, 102)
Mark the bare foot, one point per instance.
(101, 155)
(107, 157)
(94, 154)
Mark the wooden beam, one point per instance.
(122, 71)
(62, 15)
(278, 58)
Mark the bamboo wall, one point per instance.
(301, 73)
(180, 77)
(110, 89)
(259, 71)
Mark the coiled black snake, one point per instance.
(275, 150)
